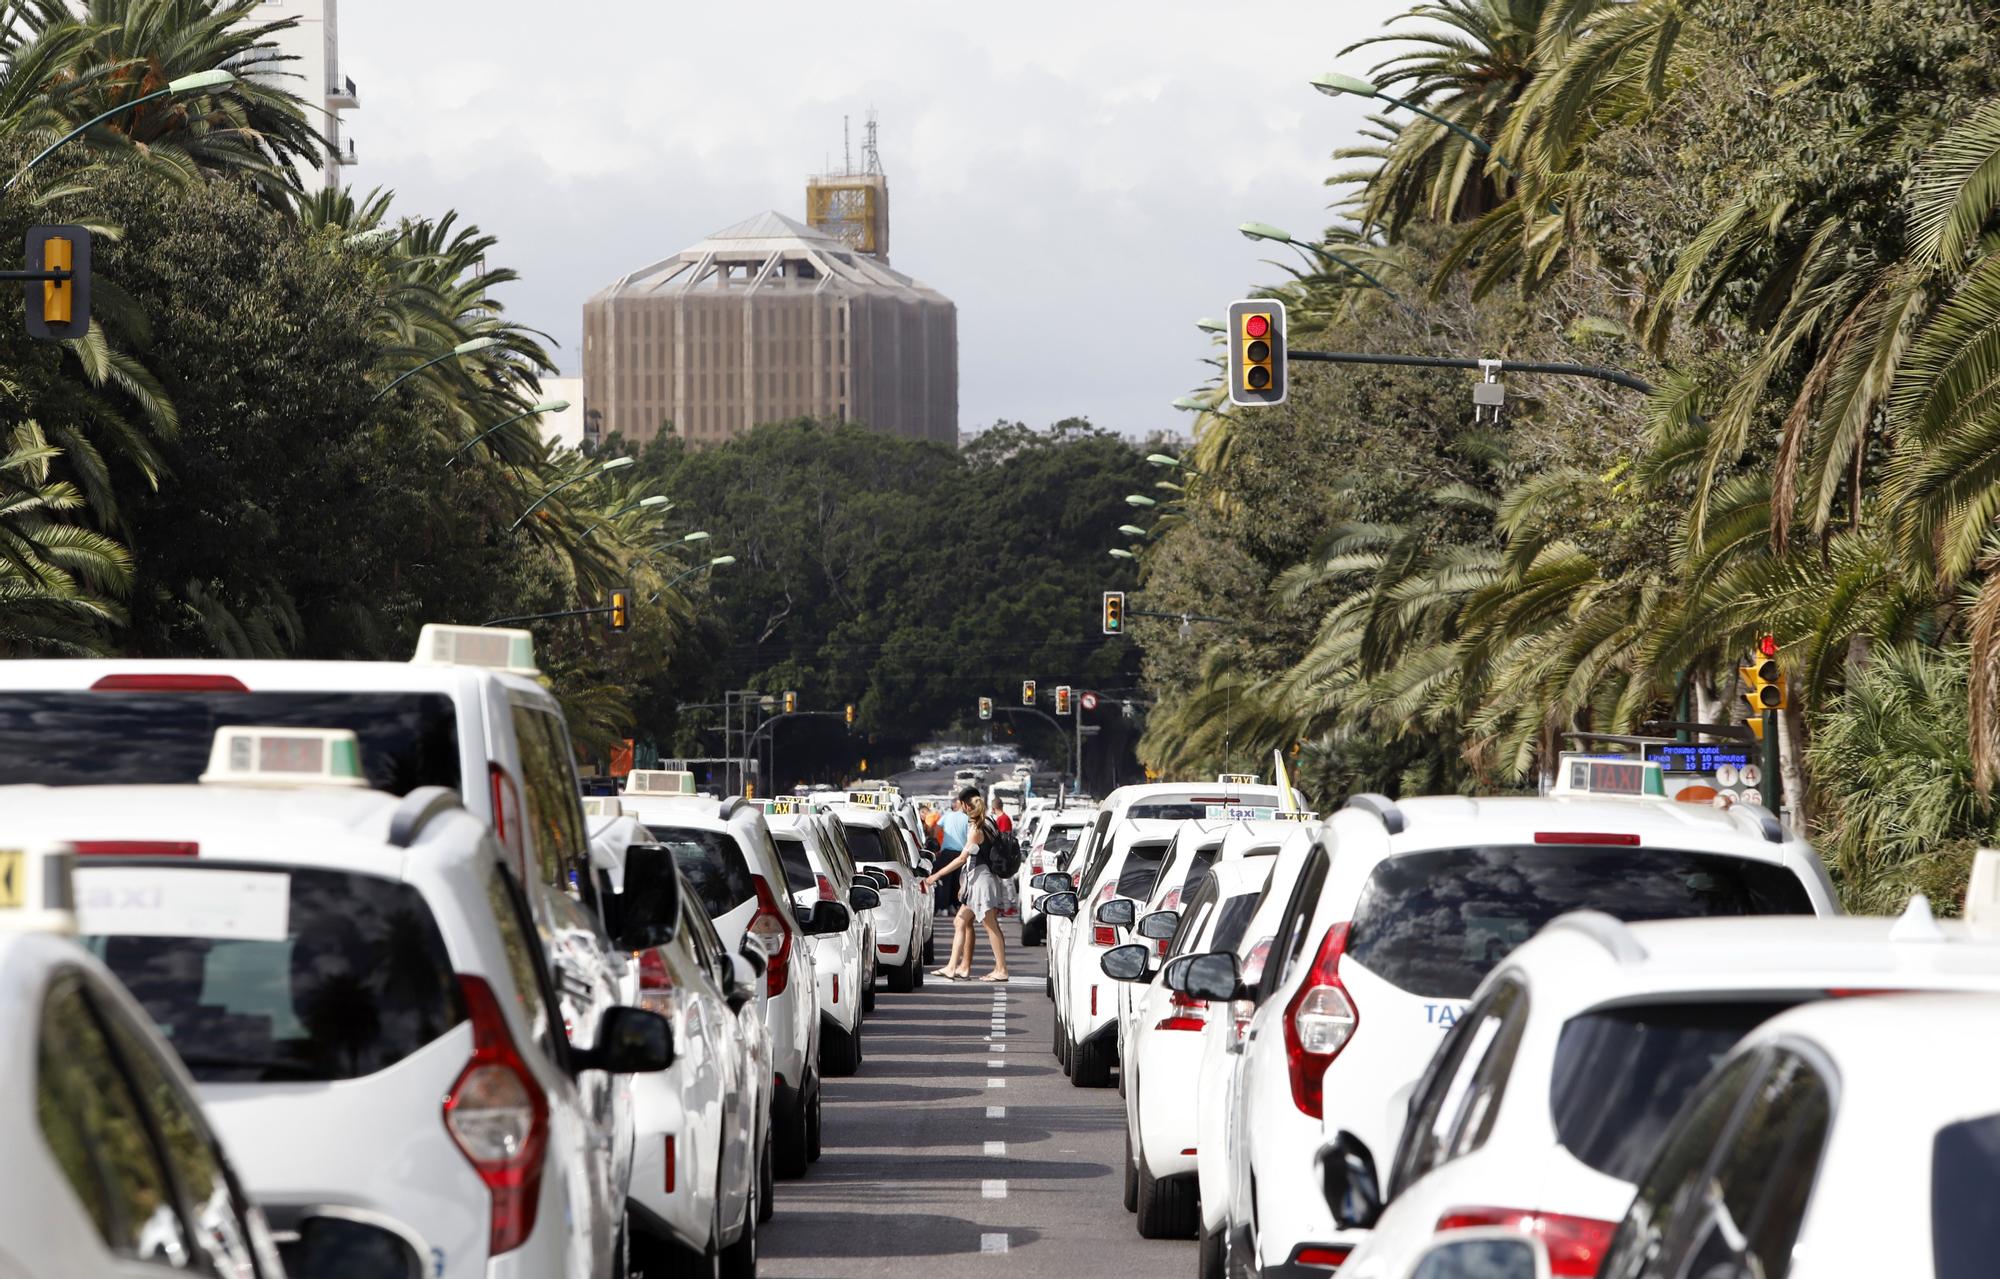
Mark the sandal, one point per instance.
(993, 977)
(945, 973)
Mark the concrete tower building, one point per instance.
(768, 320)
(313, 73)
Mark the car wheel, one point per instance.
(813, 1148)
(930, 948)
(903, 980)
(840, 1051)
(868, 990)
(917, 973)
(1031, 932)
(1049, 985)
(767, 1182)
(1167, 1208)
(1209, 1255)
(788, 1141)
(739, 1260)
(1131, 1176)
(1090, 1064)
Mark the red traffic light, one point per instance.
(1257, 325)
(1768, 646)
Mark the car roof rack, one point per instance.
(418, 809)
(1380, 807)
(1606, 930)
(1774, 830)
(734, 805)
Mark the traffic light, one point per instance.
(1764, 681)
(1114, 612)
(1257, 351)
(1062, 699)
(621, 611)
(986, 708)
(1027, 692)
(850, 714)
(791, 702)
(59, 310)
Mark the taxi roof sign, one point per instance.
(602, 806)
(247, 755)
(36, 894)
(1579, 774)
(786, 806)
(867, 799)
(494, 647)
(1236, 779)
(659, 781)
(1294, 815)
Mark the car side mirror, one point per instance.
(1053, 881)
(1212, 976)
(1128, 962)
(1119, 912)
(1061, 905)
(874, 879)
(648, 912)
(752, 952)
(828, 917)
(630, 1041)
(862, 897)
(336, 1242)
(1489, 1252)
(1160, 925)
(1174, 975)
(1348, 1180)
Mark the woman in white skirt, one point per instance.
(982, 893)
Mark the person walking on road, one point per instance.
(951, 842)
(983, 896)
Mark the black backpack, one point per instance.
(1003, 852)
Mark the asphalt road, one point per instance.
(960, 1141)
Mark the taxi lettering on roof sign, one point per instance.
(1237, 779)
(602, 806)
(1240, 813)
(1583, 775)
(244, 755)
(866, 799)
(35, 888)
(1292, 816)
(783, 806)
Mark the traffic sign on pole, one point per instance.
(1089, 701)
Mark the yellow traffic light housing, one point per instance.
(58, 308)
(791, 702)
(1027, 692)
(1764, 680)
(1062, 699)
(1257, 352)
(621, 612)
(1114, 612)
(850, 714)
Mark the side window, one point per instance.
(1435, 1106)
(550, 792)
(1754, 1204)
(1489, 1080)
(1094, 858)
(97, 1131)
(1289, 936)
(1668, 1194)
(526, 960)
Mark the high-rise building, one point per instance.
(764, 321)
(312, 72)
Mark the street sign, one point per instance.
(1089, 701)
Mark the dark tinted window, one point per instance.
(91, 739)
(1621, 1075)
(867, 844)
(1670, 1193)
(1436, 922)
(360, 981)
(1965, 1166)
(555, 814)
(1140, 870)
(1060, 842)
(1231, 921)
(1765, 1176)
(799, 874)
(1197, 874)
(1181, 811)
(713, 866)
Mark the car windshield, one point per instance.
(1621, 1074)
(1965, 1233)
(1436, 922)
(712, 864)
(280, 976)
(83, 738)
(799, 874)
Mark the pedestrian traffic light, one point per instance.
(791, 702)
(1062, 699)
(1027, 692)
(621, 611)
(1114, 612)
(1257, 351)
(1764, 680)
(850, 714)
(59, 310)
(986, 708)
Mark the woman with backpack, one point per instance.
(982, 894)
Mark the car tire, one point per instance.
(917, 974)
(868, 990)
(1089, 1064)
(1031, 932)
(930, 948)
(739, 1260)
(788, 1141)
(814, 1147)
(1131, 1176)
(1167, 1207)
(903, 980)
(840, 1051)
(1209, 1255)
(767, 1183)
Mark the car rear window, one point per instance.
(799, 874)
(90, 739)
(867, 845)
(347, 977)
(1435, 922)
(1965, 1232)
(1061, 840)
(712, 864)
(1185, 810)
(1231, 921)
(1140, 870)
(1621, 1075)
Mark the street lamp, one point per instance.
(720, 561)
(615, 464)
(183, 84)
(695, 537)
(471, 347)
(1119, 552)
(1188, 404)
(1265, 231)
(1333, 85)
(1163, 459)
(1169, 486)
(1133, 530)
(1139, 499)
(1209, 324)
(546, 406)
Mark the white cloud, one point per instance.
(1070, 174)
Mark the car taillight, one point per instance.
(836, 989)
(1593, 838)
(768, 926)
(656, 985)
(135, 847)
(507, 824)
(1103, 934)
(1184, 1013)
(670, 1164)
(1318, 1022)
(825, 888)
(1172, 902)
(1576, 1245)
(895, 880)
(1329, 1256)
(499, 1117)
(137, 683)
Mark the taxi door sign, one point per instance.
(13, 879)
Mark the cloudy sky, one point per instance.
(1070, 174)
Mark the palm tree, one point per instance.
(57, 579)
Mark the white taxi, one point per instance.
(1087, 1000)
(355, 982)
(1400, 912)
(1547, 1101)
(875, 840)
(844, 961)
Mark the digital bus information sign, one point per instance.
(1701, 758)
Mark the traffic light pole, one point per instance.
(543, 617)
(1768, 785)
(1615, 376)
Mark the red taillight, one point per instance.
(895, 880)
(656, 985)
(1327, 1255)
(887, 949)
(169, 684)
(670, 1164)
(499, 1117)
(1585, 837)
(836, 989)
(1576, 1245)
(1103, 934)
(1093, 1001)
(508, 827)
(1319, 1022)
(1172, 902)
(768, 925)
(1184, 1013)
(135, 847)
(825, 889)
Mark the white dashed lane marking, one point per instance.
(993, 1189)
(996, 1112)
(996, 1083)
(997, 1148)
(993, 1243)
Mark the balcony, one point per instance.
(336, 155)
(342, 96)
